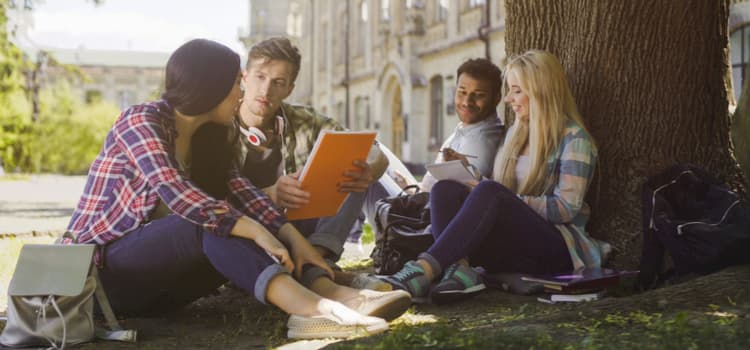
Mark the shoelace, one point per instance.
(450, 272)
(406, 273)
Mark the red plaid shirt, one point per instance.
(137, 167)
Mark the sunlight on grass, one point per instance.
(355, 264)
(413, 318)
(368, 236)
(10, 248)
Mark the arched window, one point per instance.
(740, 54)
(436, 112)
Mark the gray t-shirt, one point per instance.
(480, 139)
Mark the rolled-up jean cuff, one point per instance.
(434, 264)
(265, 277)
(310, 273)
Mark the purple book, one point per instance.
(592, 278)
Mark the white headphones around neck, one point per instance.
(257, 137)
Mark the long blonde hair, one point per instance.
(551, 104)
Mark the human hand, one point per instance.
(399, 179)
(274, 248)
(360, 179)
(289, 193)
(450, 154)
(304, 253)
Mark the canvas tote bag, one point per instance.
(51, 299)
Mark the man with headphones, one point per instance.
(277, 140)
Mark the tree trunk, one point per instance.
(648, 77)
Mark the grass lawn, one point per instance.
(695, 315)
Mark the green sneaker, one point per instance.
(411, 278)
(459, 282)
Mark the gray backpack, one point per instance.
(51, 299)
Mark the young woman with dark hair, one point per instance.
(169, 233)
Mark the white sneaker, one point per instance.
(386, 305)
(341, 322)
(369, 281)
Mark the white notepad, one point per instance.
(450, 170)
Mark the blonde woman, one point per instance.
(531, 218)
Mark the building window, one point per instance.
(441, 10)
(339, 44)
(436, 112)
(476, 3)
(294, 21)
(368, 119)
(341, 114)
(385, 10)
(362, 113)
(740, 54)
(125, 98)
(322, 46)
(362, 28)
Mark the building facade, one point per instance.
(122, 78)
(739, 43)
(388, 65)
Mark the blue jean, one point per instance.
(493, 228)
(170, 262)
(330, 233)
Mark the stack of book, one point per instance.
(577, 286)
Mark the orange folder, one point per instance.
(333, 154)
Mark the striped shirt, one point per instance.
(571, 169)
(137, 168)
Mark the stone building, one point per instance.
(122, 78)
(402, 54)
(386, 65)
(739, 42)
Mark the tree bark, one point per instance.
(648, 78)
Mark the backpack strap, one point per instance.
(115, 332)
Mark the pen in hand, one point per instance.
(448, 152)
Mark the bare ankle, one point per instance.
(327, 288)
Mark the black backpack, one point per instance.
(699, 221)
(402, 230)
